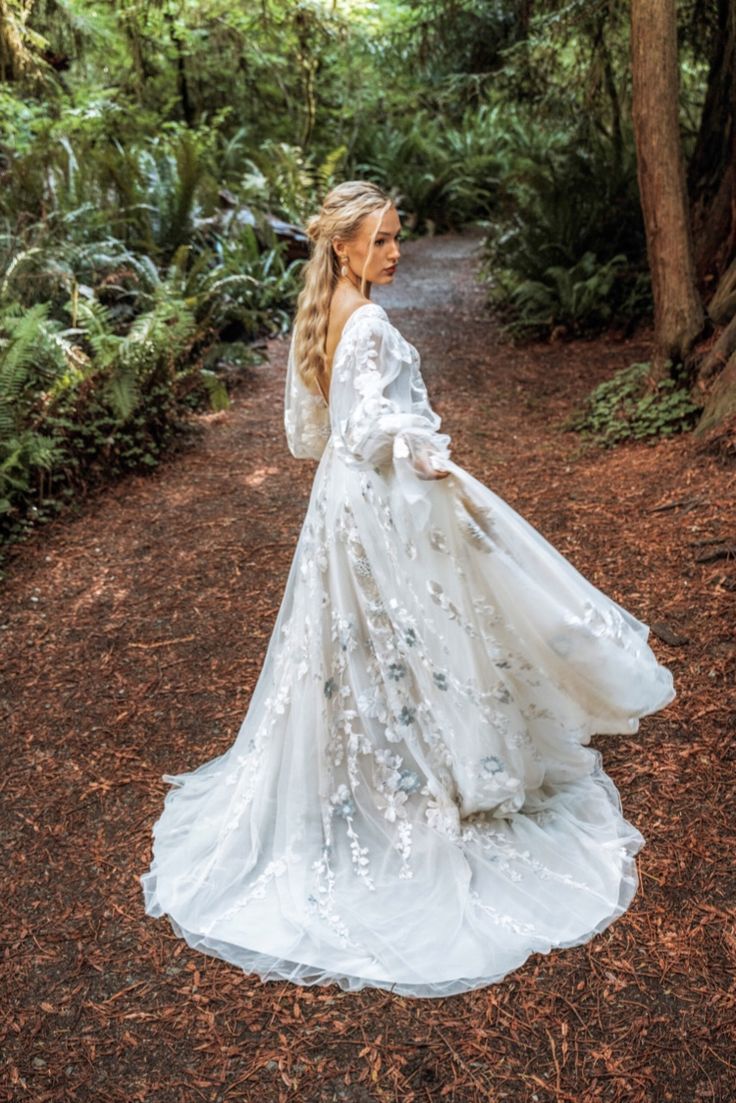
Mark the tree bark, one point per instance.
(722, 303)
(678, 311)
(718, 420)
(716, 372)
(712, 185)
(711, 172)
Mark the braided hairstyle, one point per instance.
(340, 215)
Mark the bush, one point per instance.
(623, 408)
(567, 248)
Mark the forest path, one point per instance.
(132, 636)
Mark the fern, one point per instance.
(577, 297)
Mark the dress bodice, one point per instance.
(379, 408)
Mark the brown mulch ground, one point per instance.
(132, 636)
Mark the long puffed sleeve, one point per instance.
(379, 407)
(380, 411)
(306, 417)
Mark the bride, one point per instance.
(411, 802)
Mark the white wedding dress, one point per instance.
(410, 803)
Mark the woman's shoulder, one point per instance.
(366, 326)
(368, 313)
(348, 321)
(370, 331)
(372, 322)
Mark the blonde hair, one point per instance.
(341, 215)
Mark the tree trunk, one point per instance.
(711, 173)
(714, 228)
(182, 83)
(609, 81)
(722, 303)
(718, 421)
(678, 311)
(712, 184)
(716, 372)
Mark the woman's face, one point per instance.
(384, 255)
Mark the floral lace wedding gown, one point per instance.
(410, 803)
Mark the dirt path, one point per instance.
(132, 636)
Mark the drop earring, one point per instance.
(344, 268)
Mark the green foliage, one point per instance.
(625, 408)
(33, 352)
(107, 393)
(569, 249)
(446, 175)
(144, 149)
(280, 177)
(578, 298)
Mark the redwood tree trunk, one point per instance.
(678, 311)
(712, 168)
(712, 185)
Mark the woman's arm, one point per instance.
(306, 418)
(379, 408)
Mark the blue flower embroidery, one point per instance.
(330, 687)
(440, 679)
(342, 802)
(396, 671)
(406, 716)
(408, 781)
(492, 764)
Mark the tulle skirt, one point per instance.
(411, 802)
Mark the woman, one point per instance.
(410, 803)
